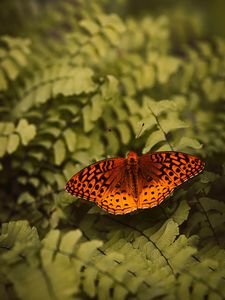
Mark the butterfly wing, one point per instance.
(104, 183)
(162, 172)
(119, 201)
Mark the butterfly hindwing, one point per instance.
(119, 201)
(153, 194)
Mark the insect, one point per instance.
(123, 185)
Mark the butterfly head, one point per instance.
(132, 157)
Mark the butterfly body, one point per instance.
(132, 173)
(122, 185)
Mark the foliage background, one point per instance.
(70, 71)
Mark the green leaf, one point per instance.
(70, 240)
(145, 77)
(17, 232)
(100, 44)
(129, 85)
(60, 180)
(154, 138)
(182, 212)
(83, 142)
(112, 35)
(43, 93)
(51, 241)
(86, 250)
(3, 143)
(71, 81)
(165, 147)
(166, 66)
(26, 198)
(110, 88)
(19, 57)
(7, 127)
(59, 152)
(183, 253)
(3, 81)
(82, 82)
(90, 26)
(26, 131)
(70, 138)
(88, 124)
(90, 275)
(131, 104)
(13, 143)
(125, 133)
(112, 21)
(105, 284)
(172, 124)
(166, 235)
(10, 68)
(186, 142)
(97, 108)
(113, 143)
(158, 107)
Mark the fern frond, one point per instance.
(13, 59)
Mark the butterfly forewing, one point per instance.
(103, 183)
(161, 172)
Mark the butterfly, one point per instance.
(122, 185)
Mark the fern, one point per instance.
(13, 58)
(90, 80)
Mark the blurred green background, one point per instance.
(207, 16)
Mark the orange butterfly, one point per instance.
(122, 185)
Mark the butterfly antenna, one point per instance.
(140, 131)
(137, 136)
